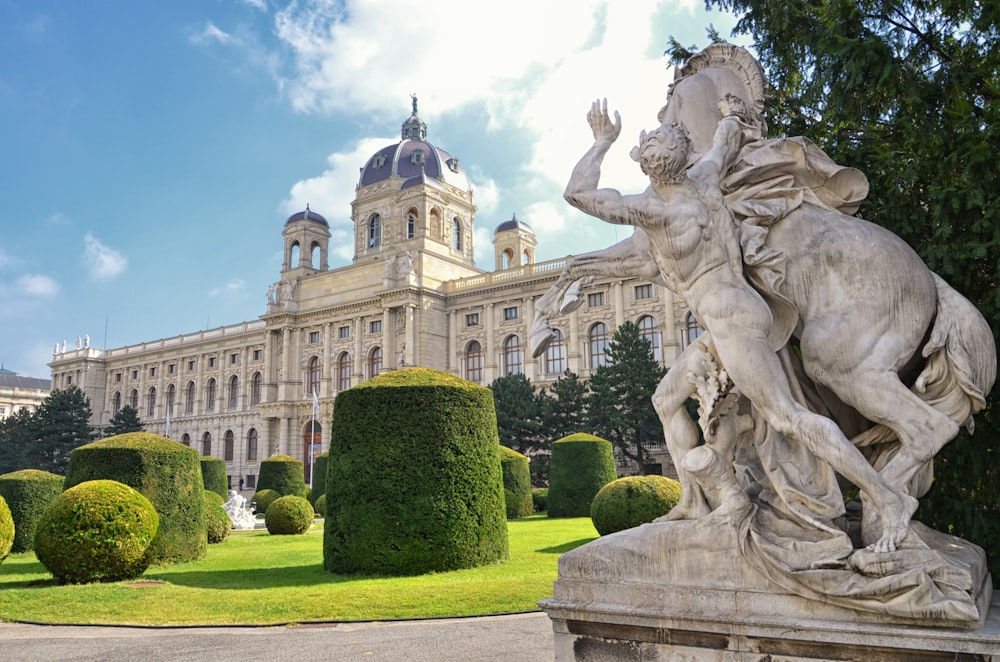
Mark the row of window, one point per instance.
(190, 391)
(375, 230)
(234, 359)
(228, 444)
(594, 300)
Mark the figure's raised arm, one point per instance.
(582, 191)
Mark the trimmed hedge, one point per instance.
(214, 475)
(320, 506)
(319, 477)
(516, 483)
(28, 493)
(581, 465)
(213, 498)
(6, 530)
(289, 516)
(628, 502)
(540, 497)
(414, 482)
(97, 531)
(263, 499)
(283, 474)
(166, 472)
(217, 522)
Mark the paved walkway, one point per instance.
(512, 638)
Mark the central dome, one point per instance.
(414, 160)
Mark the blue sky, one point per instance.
(151, 151)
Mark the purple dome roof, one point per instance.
(512, 224)
(307, 215)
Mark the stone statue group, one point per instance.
(831, 352)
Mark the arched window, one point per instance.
(343, 371)
(228, 444)
(210, 392)
(234, 391)
(513, 356)
(598, 337)
(474, 362)
(171, 397)
(649, 330)
(315, 256)
(255, 387)
(313, 374)
(456, 230)
(691, 329)
(555, 354)
(411, 224)
(116, 402)
(374, 231)
(506, 259)
(186, 439)
(375, 362)
(252, 445)
(189, 399)
(293, 255)
(133, 400)
(526, 258)
(206, 444)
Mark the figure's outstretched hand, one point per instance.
(600, 122)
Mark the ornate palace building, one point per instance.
(412, 296)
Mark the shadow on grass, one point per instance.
(565, 547)
(255, 578)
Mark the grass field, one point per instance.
(256, 579)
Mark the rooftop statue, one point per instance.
(831, 352)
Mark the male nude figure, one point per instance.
(694, 243)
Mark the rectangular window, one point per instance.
(595, 300)
(234, 359)
(344, 332)
(211, 362)
(118, 378)
(69, 379)
(375, 326)
(171, 369)
(190, 366)
(510, 313)
(643, 291)
(251, 482)
(472, 319)
(135, 374)
(313, 337)
(152, 372)
(258, 354)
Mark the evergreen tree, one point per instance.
(518, 413)
(564, 407)
(620, 405)
(16, 431)
(60, 425)
(126, 420)
(907, 92)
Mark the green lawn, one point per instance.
(257, 579)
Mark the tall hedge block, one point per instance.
(6, 530)
(414, 483)
(166, 472)
(581, 465)
(214, 476)
(28, 493)
(516, 483)
(283, 474)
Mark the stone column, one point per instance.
(389, 359)
(326, 380)
(412, 357)
(359, 359)
(619, 298)
(452, 347)
(490, 356)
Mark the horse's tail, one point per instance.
(961, 358)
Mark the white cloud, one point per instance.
(211, 33)
(36, 285)
(102, 261)
(233, 287)
(256, 4)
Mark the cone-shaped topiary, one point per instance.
(631, 501)
(283, 474)
(166, 472)
(217, 522)
(98, 530)
(414, 482)
(516, 483)
(6, 530)
(28, 493)
(581, 465)
(289, 516)
(319, 477)
(320, 505)
(213, 474)
(263, 499)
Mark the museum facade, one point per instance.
(412, 296)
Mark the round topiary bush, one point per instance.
(414, 482)
(319, 477)
(283, 474)
(166, 472)
(320, 505)
(217, 522)
(6, 530)
(97, 531)
(631, 501)
(28, 493)
(540, 497)
(516, 483)
(289, 516)
(581, 465)
(213, 499)
(263, 499)
(214, 475)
